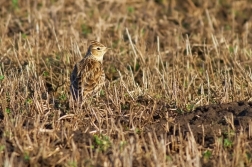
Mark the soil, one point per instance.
(211, 121)
(205, 122)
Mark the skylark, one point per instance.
(88, 75)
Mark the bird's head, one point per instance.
(97, 50)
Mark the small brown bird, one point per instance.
(88, 75)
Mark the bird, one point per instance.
(88, 77)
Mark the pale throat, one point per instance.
(99, 58)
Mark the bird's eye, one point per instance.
(98, 48)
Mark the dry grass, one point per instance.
(168, 57)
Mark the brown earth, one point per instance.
(207, 124)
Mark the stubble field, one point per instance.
(177, 93)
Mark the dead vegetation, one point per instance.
(167, 58)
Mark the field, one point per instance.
(178, 83)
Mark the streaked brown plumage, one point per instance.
(88, 75)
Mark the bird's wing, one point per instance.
(75, 80)
(87, 77)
